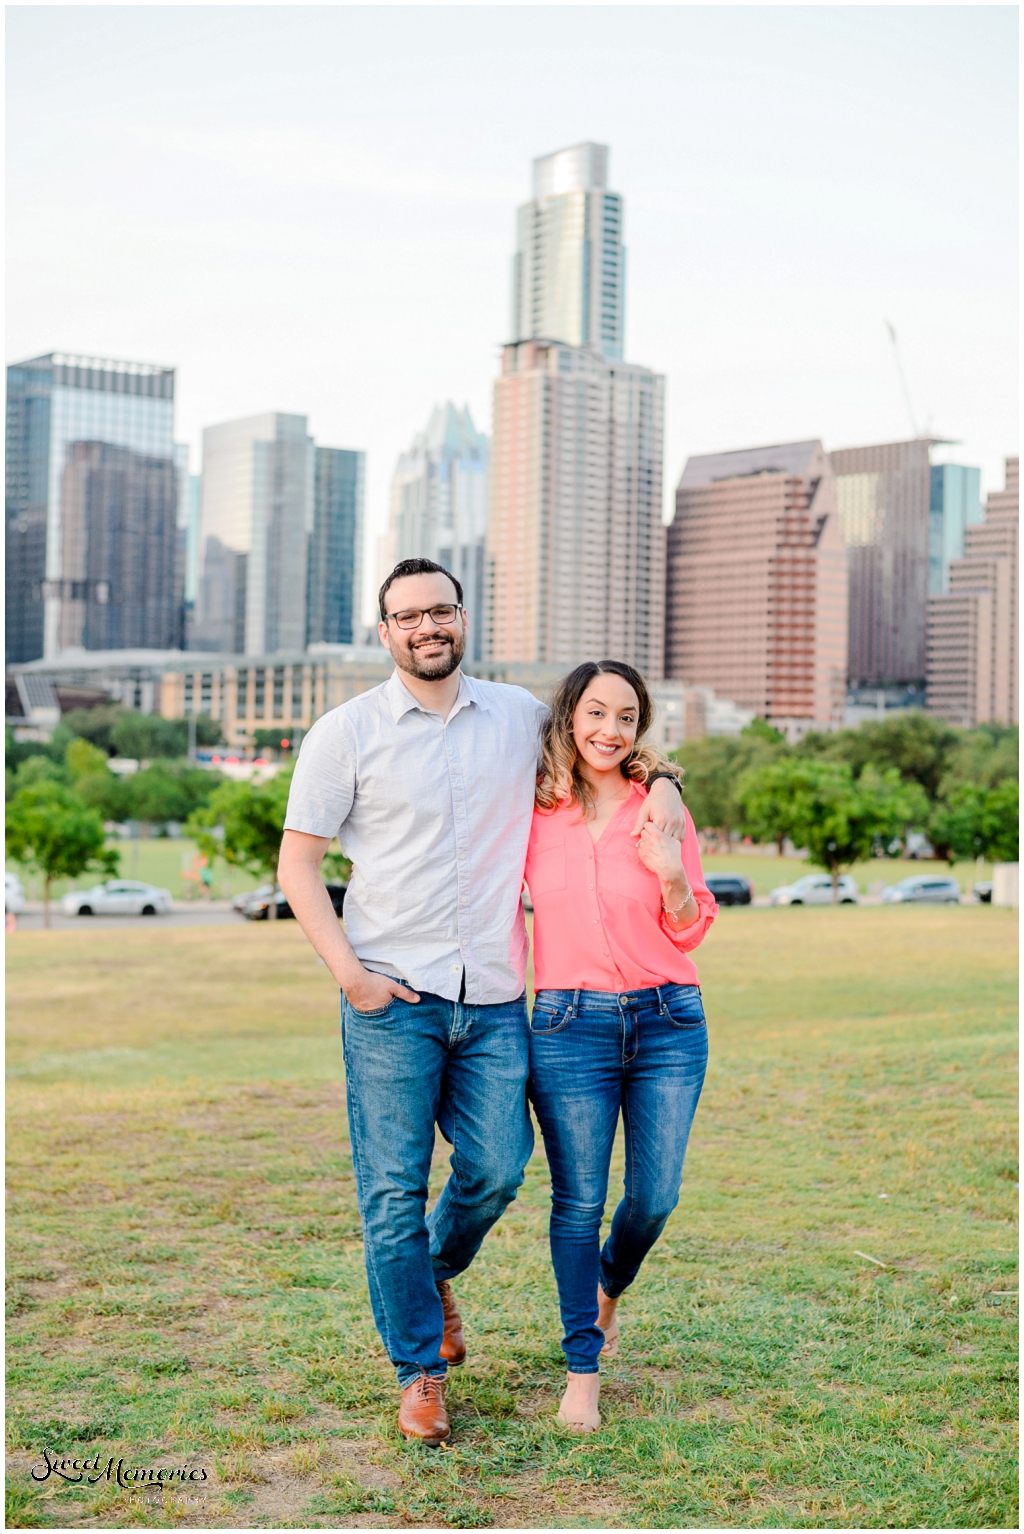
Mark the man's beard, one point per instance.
(439, 666)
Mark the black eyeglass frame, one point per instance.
(408, 627)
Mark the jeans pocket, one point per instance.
(545, 1020)
(370, 1016)
(685, 1009)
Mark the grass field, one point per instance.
(186, 1280)
(161, 861)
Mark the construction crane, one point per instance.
(903, 382)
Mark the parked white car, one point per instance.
(118, 897)
(930, 888)
(815, 889)
(14, 894)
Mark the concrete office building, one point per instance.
(575, 538)
(904, 520)
(569, 271)
(335, 567)
(439, 509)
(756, 584)
(973, 627)
(91, 500)
(255, 516)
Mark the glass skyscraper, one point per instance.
(334, 573)
(439, 508)
(569, 272)
(904, 520)
(255, 517)
(91, 501)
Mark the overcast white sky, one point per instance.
(312, 208)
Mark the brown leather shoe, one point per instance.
(453, 1348)
(422, 1414)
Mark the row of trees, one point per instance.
(60, 795)
(847, 795)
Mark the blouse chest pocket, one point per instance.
(633, 880)
(545, 866)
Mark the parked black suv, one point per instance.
(729, 889)
(258, 909)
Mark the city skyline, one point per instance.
(348, 251)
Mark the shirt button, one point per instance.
(591, 886)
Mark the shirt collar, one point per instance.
(401, 700)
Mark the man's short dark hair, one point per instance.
(415, 567)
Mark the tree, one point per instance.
(52, 831)
(169, 791)
(919, 746)
(145, 736)
(82, 759)
(281, 739)
(974, 822)
(837, 817)
(713, 767)
(1001, 822)
(95, 725)
(251, 818)
(768, 808)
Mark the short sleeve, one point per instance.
(540, 714)
(324, 781)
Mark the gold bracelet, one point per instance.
(678, 908)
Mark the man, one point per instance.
(428, 781)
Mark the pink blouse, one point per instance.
(598, 923)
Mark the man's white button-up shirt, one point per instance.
(435, 815)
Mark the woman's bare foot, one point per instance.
(608, 1322)
(578, 1407)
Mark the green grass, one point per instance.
(186, 1279)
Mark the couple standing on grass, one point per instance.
(444, 791)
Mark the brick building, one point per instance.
(972, 674)
(756, 603)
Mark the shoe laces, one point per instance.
(430, 1387)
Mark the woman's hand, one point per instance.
(661, 854)
(664, 806)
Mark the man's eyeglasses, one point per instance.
(443, 612)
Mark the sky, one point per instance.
(312, 209)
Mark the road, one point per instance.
(190, 913)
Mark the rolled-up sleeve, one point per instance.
(686, 938)
(324, 782)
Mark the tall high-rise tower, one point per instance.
(904, 519)
(92, 494)
(973, 626)
(576, 546)
(439, 508)
(255, 519)
(570, 264)
(756, 589)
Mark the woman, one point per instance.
(618, 1021)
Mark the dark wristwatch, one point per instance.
(654, 776)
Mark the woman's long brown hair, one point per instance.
(560, 777)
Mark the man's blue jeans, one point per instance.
(407, 1067)
(593, 1053)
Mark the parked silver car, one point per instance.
(929, 888)
(118, 897)
(815, 889)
